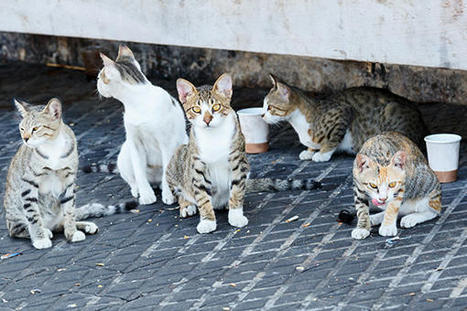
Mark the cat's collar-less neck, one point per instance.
(57, 146)
(132, 95)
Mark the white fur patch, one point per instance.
(360, 233)
(389, 230)
(377, 219)
(306, 155)
(236, 218)
(214, 146)
(322, 156)
(346, 144)
(301, 126)
(190, 210)
(206, 226)
(78, 236)
(42, 243)
(411, 220)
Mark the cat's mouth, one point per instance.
(377, 202)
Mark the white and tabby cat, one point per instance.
(40, 186)
(392, 173)
(342, 121)
(211, 171)
(154, 125)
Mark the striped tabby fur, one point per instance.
(343, 121)
(392, 173)
(40, 186)
(211, 171)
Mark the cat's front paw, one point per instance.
(390, 230)
(42, 243)
(360, 233)
(187, 211)
(78, 236)
(134, 191)
(321, 156)
(206, 226)
(306, 155)
(236, 218)
(167, 197)
(147, 197)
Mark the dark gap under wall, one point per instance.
(419, 84)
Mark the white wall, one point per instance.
(415, 32)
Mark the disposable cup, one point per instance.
(443, 155)
(255, 130)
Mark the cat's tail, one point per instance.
(110, 168)
(100, 210)
(278, 184)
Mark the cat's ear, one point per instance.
(106, 61)
(124, 51)
(363, 162)
(54, 108)
(274, 80)
(223, 86)
(185, 89)
(398, 159)
(283, 90)
(22, 107)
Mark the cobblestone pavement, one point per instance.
(152, 260)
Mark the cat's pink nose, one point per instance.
(383, 199)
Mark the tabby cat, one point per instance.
(392, 173)
(40, 185)
(211, 171)
(341, 122)
(154, 125)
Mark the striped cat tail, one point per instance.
(98, 210)
(110, 168)
(277, 184)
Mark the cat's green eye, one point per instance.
(196, 109)
(372, 185)
(34, 129)
(216, 107)
(22, 129)
(392, 184)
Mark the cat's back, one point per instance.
(377, 110)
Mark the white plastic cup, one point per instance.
(255, 130)
(443, 155)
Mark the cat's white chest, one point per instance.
(301, 126)
(214, 149)
(214, 143)
(51, 184)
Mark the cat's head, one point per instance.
(206, 106)
(39, 123)
(276, 105)
(124, 71)
(381, 183)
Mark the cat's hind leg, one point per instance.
(186, 208)
(417, 211)
(126, 169)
